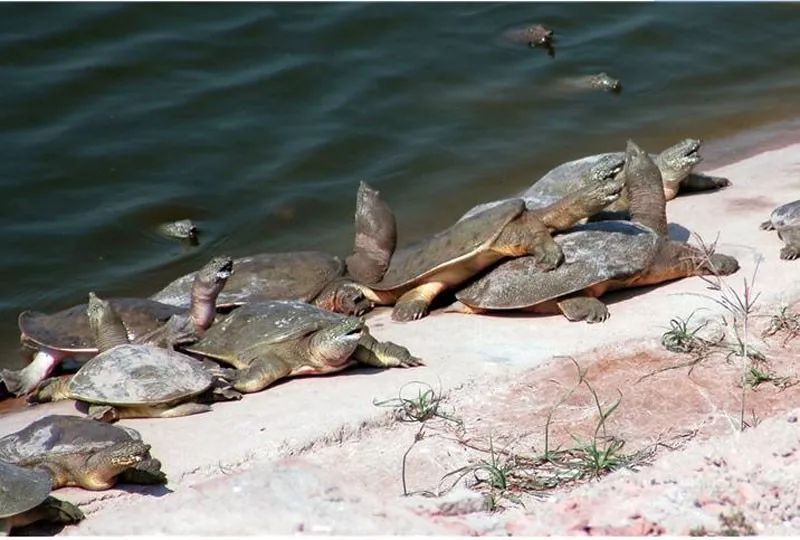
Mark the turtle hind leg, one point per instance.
(51, 510)
(25, 380)
(52, 389)
(384, 354)
(584, 308)
(416, 303)
(702, 182)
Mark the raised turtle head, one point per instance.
(107, 326)
(676, 162)
(603, 81)
(208, 283)
(537, 35)
(332, 346)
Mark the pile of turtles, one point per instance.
(587, 227)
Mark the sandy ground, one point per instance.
(316, 455)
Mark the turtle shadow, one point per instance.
(150, 490)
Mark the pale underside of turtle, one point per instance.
(267, 341)
(785, 220)
(593, 253)
(75, 448)
(267, 276)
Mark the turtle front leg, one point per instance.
(584, 308)
(581, 204)
(416, 303)
(51, 510)
(384, 354)
(702, 182)
(767, 225)
(26, 379)
(52, 389)
(261, 373)
(145, 472)
(528, 235)
(790, 252)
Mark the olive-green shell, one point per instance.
(69, 330)
(299, 275)
(129, 375)
(455, 245)
(21, 489)
(262, 323)
(593, 253)
(62, 434)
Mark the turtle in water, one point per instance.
(127, 380)
(417, 274)
(67, 333)
(598, 81)
(535, 35)
(78, 451)
(675, 165)
(25, 499)
(786, 221)
(267, 341)
(183, 229)
(599, 257)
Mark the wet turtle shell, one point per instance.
(21, 489)
(786, 216)
(263, 323)
(453, 246)
(268, 276)
(69, 330)
(131, 375)
(62, 434)
(593, 253)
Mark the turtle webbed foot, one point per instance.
(410, 310)
(722, 265)
(584, 308)
(147, 472)
(385, 354)
(767, 226)
(789, 253)
(548, 255)
(58, 511)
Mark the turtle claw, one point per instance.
(410, 310)
(790, 253)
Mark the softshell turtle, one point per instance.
(267, 341)
(25, 499)
(77, 451)
(418, 273)
(786, 221)
(675, 165)
(127, 380)
(597, 81)
(183, 229)
(535, 35)
(68, 334)
(306, 276)
(600, 257)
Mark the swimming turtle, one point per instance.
(535, 35)
(418, 273)
(67, 333)
(267, 341)
(127, 380)
(597, 81)
(599, 257)
(786, 221)
(675, 165)
(25, 499)
(183, 229)
(79, 451)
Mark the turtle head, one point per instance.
(101, 469)
(604, 81)
(676, 162)
(333, 346)
(106, 324)
(538, 36)
(208, 283)
(343, 296)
